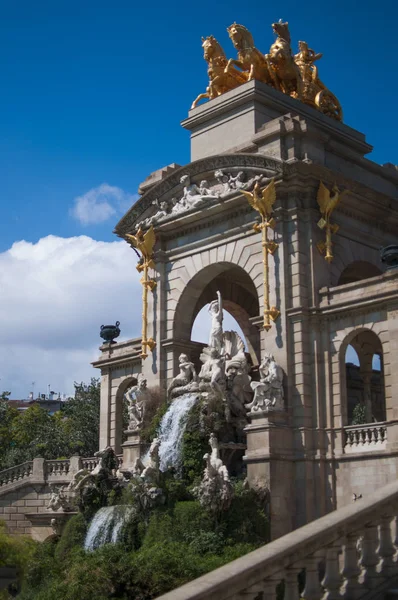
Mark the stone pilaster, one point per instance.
(268, 459)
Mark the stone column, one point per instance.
(105, 408)
(367, 394)
(268, 459)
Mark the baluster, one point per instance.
(332, 580)
(269, 587)
(312, 590)
(369, 558)
(252, 592)
(351, 570)
(386, 548)
(291, 584)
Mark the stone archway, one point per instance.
(358, 270)
(240, 299)
(366, 344)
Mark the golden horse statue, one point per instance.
(219, 81)
(282, 67)
(252, 62)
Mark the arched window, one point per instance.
(364, 377)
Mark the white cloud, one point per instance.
(54, 296)
(100, 203)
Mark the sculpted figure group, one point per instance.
(198, 195)
(294, 75)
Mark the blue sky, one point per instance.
(92, 94)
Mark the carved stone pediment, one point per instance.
(199, 184)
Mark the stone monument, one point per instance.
(279, 219)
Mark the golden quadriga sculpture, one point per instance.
(294, 75)
(144, 243)
(263, 200)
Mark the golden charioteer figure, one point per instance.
(294, 75)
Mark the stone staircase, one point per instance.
(350, 553)
(25, 492)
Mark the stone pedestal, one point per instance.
(132, 449)
(269, 462)
(42, 527)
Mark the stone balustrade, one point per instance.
(40, 470)
(363, 438)
(57, 468)
(16, 473)
(349, 553)
(89, 463)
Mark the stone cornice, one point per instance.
(116, 355)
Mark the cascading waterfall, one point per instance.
(172, 429)
(106, 526)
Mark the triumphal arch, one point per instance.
(280, 212)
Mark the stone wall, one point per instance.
(19, 501)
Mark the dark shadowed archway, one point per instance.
(358, 270)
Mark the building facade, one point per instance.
(312, 457)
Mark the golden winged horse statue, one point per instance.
(263, 200)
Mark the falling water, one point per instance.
(172, 429)
(106, 526)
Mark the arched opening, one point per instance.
(240, 300)
(357, 271)
(363, 393)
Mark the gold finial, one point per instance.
(263, 200)
(327, 203)
(145, 243)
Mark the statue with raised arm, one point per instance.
(216, 332)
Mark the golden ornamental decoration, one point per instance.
(294, 75)
(263, 200)
(144, 243)
(327, 203)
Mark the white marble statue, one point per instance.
(239, 392)
(215, 491)
(216, 332)
(268, 392)
(58, 500)
(186, 380)
(223, 180)
(136, 398)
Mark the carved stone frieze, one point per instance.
(256, 164)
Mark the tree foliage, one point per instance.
(33, 432)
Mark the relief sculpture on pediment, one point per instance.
(196, 196)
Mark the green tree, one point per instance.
(34, 432)
(81, 416)
(7, 416)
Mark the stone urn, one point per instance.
(110, 332)
(389, 256)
